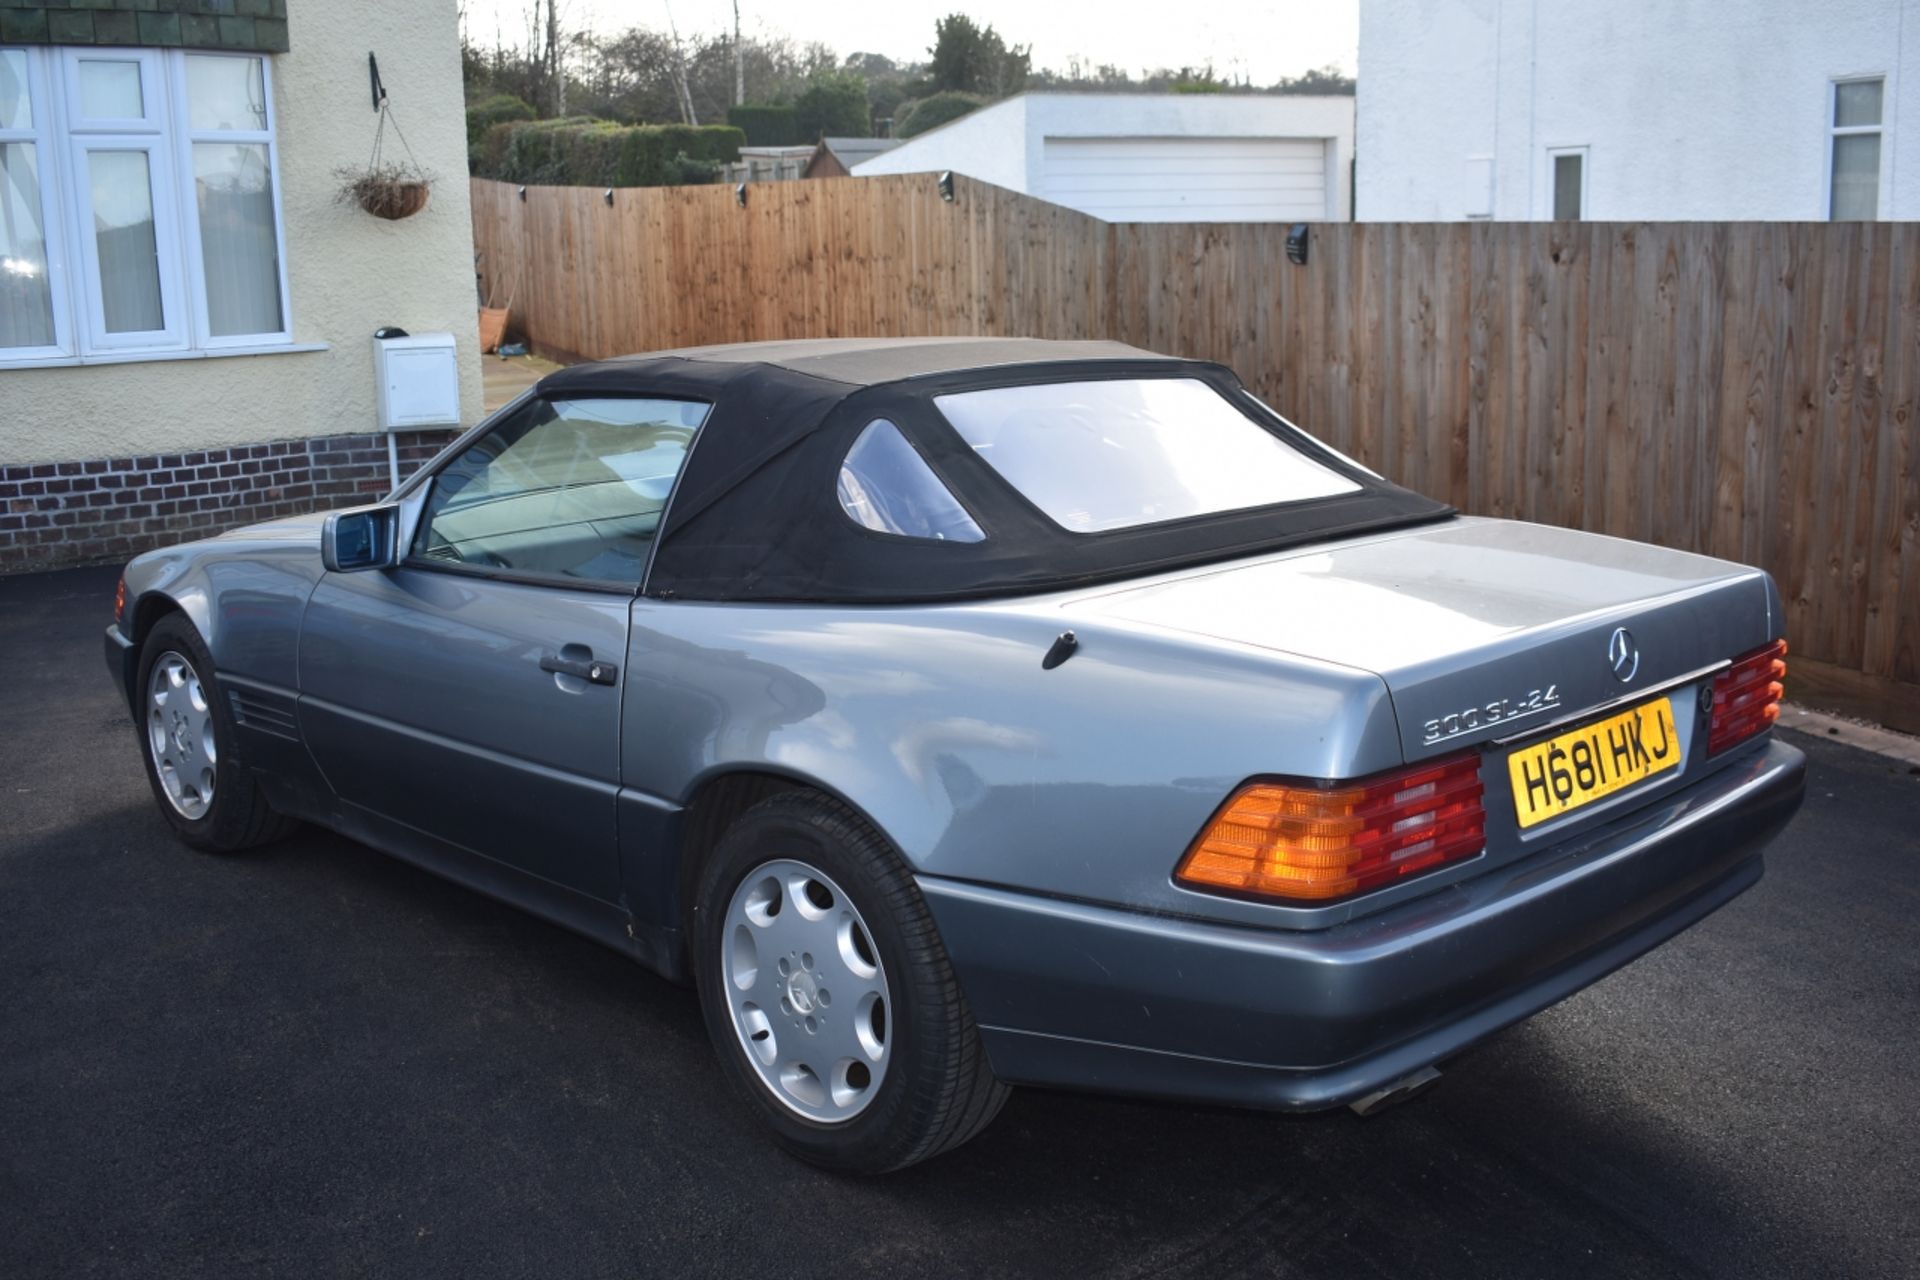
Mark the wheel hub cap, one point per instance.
(180, 735)
(808, 995)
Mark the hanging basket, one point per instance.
(391, 193)
(384, 189)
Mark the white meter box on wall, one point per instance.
(419, 381)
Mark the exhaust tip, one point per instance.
(1405, 1089)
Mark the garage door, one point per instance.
(1188, 179)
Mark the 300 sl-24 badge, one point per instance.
(1499, 710)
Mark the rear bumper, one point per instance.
(120, 659)
(1087, 997)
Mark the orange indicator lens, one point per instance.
(1314, 843)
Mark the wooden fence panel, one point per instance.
(1746, 390)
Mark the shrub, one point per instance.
(886, 98)
(685, 171)
(488, 112)
(533, 150)
(598, 153)
(936, 110)
(767, 126)
(834, 104)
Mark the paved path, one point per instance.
(502, 380)
(317, 1060)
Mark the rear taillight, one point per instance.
(120, 599)
(1746, 696)
(1315, 841)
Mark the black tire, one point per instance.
(238, 817)
(938, 1090)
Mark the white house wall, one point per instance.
(1688, 109)
(348, 273)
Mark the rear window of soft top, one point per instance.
(1118, 453)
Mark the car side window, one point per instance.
(886, 486)
(563, 488)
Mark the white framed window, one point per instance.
(139, 205)
(1855, 111)
(1567, 183)
(32, 323)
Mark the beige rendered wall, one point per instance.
(348, 273)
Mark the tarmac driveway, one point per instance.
(317, 1060)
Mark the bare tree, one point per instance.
(556, 73)
(680, 66)
(542, 76)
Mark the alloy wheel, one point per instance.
(180, 735)
(807, 991)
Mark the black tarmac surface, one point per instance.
(318, 1061)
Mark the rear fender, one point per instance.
(941, 724)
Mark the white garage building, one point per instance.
(1139, 157)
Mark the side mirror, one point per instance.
(362, 539)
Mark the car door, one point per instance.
(472, 693)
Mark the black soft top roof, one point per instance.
(867, 362)
(755, 514)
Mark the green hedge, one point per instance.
(833, 105)
(929, 113)
(580, 152)
(769, 126)
(496, 109)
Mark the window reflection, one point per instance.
(1114, 454)
(566, 488)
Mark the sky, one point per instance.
(1260, 41)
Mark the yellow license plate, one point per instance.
(1594, 761)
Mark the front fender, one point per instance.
(244, 592)
(165, 581)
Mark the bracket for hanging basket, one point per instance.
(386, 190)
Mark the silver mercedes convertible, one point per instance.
(956, 714)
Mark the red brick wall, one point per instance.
(103, 510)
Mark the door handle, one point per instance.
(592, 670)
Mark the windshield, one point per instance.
(1115, 454)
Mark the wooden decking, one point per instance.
(505, 379)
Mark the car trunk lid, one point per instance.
(1481, 629)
